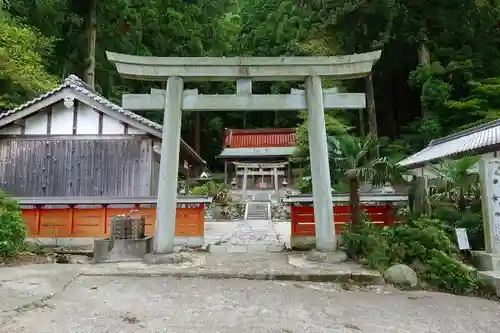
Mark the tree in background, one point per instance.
(22, 71)
(350, 162)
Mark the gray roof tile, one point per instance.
(466, 141)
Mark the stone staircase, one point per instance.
(257, 211)
(259, 208)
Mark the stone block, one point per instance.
(486, 261)
(336, 257)
(303, 243)
(106, 250)
(490, 278)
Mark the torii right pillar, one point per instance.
(318, 150)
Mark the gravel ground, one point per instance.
(131, 304)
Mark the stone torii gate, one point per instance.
(175, 71)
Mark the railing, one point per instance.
(378, 207)
(337, 198)
(88, 217)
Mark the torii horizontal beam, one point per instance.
(255, 68)
(292, 102)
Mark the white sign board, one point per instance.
(462, 239)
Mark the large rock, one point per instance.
(402, 275)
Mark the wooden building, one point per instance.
(258, 158)
(71, 141)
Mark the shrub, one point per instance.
(12, 227)
(448, 273)
(424, 244)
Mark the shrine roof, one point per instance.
(259, 138)
(480, 139)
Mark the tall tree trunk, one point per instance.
(424, 59)
(362, 123)
(89, 75)
(354, 199)
(197, 132)
(372, 115)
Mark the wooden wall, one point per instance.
(76, 166)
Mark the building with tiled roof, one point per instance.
(264, 153)
(71, 141)
(479, 140)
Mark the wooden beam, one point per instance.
(291, 102)
(105, 200)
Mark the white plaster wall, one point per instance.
(62, 123)
(112, 126)
(61, 120)
(87, 120)
(10, 130)
(37, 124)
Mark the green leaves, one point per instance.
(12, 227)
(423, 244)
(22, 72)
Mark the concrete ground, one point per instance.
(135, 297)
(56, 299)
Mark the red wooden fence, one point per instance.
(74, 222)
(302, 217)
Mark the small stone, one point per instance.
(401, 274)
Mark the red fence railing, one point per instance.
(302, 217)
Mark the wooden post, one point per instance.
(186, 189)
(169, 167)
(276, 183)
(417, 196)
(322, 191)
(244, 185)
(225, 172)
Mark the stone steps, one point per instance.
(258, 211)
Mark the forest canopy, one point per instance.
(439, 71)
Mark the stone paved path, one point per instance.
(251, 236)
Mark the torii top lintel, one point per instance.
(255, 68)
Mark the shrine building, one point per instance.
(258, 158)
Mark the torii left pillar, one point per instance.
(169, 167)
(322, 192)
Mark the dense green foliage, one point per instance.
(435, 76)
(424, 244)
(427, 242)
(12, 227)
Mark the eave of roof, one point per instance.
(478, 138)
(75, 83)
(257, 152)
(259, 138)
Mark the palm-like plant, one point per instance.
(455, 183)
(349, 160)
